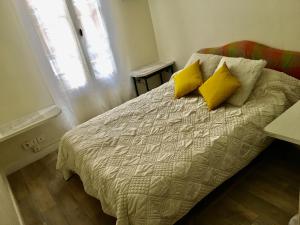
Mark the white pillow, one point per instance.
(247, 71)
(275, 81)
(208, 62)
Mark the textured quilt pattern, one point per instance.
(150, 160)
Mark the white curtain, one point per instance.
(85, 76)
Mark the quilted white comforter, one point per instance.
(150, 160)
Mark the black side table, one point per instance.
(151, 70)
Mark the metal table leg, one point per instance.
(146, 82)
(161, 77)
(135, 86)
(171, 69)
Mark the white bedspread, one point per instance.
(150, 160)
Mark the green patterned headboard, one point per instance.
(280, 60)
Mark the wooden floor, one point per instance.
(264, 193)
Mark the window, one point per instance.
(95, 37)
(74, 56)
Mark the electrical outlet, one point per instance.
(40, 138)
(36, 148)
(26, 145)
(34, 144)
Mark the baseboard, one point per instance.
(30, 159)
(9, 211)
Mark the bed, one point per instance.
(151, 159)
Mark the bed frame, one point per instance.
(280, 60)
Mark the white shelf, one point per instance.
(287, 126)
(149, 69)
(27, 122)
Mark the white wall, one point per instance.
(137, 39)
(21, 87)
(132, 18)
(185, 26)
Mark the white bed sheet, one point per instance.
(150, 160)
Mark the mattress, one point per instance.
(150, 160)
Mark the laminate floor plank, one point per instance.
(19, 188)
(260, 206)
(230, 211)
(54, 216)
(283, 200)
(30, 214)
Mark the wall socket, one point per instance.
(34, 144)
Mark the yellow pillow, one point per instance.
(219, 87)
(187, 80)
